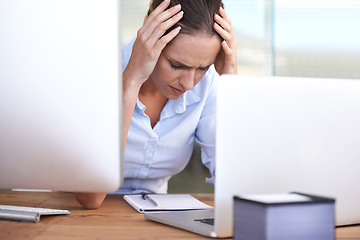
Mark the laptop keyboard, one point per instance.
(209, 221)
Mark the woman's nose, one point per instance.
(187, 81)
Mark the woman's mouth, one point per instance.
(177, 91)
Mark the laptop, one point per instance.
(280, 135)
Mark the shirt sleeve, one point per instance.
(206, 129)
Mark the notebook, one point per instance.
(164, 202)
(280, 135)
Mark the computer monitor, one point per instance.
(60, 95)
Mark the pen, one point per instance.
(146, 197)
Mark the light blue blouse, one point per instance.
(153, 155)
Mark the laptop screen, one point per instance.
(283, 134)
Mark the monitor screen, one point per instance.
(60, 95)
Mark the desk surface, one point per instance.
(115, 219)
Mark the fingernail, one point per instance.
(180, 13)
(178, 7)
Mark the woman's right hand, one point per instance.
(150, 42)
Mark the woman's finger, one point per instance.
(155, 19)
(223, 23)
(163, 27)
(163, 41)
(222, 32)
(224, 28)
(226, 48)
(224, 15)
(161, 8)
(145, 18)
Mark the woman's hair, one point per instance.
(198, 15)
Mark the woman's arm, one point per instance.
(145, 53)
(90, 200)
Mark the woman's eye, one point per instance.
(175, 67)
(204, 69)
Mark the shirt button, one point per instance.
(153, 143)
(147, 165)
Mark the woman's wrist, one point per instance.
(131, 82)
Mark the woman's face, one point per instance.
(183, 63)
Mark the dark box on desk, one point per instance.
(292, 216)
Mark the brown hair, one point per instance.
(198, 15)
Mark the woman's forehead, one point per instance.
(193, 50)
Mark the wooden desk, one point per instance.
(115, 219)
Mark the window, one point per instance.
(303, 38)
(132, 17)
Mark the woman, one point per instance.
(169, 92)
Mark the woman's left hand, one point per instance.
(225, 62)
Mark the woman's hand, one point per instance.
(150, 41)
(225, 62)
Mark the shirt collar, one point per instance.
(174, 106)
(140, 105)
(178, 106)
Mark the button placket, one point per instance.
(150, 151)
